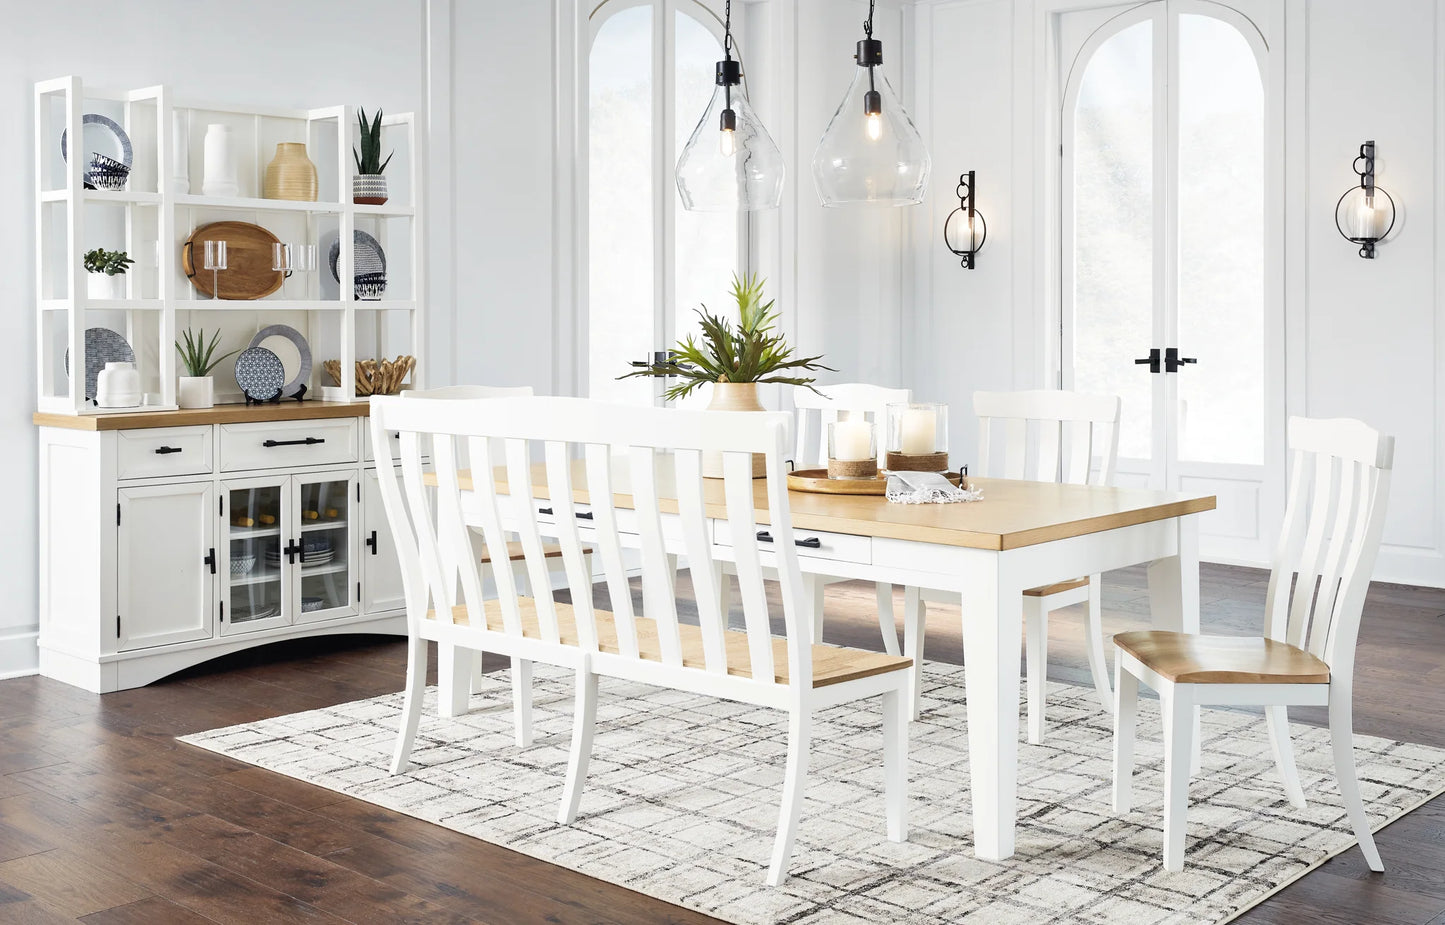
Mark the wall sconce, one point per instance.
(965, 225)
(1361, 216)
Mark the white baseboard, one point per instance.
(19, 654)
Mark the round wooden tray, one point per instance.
(816, 480)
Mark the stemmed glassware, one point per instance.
(215, 261)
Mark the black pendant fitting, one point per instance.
(729, 121)
(729, 73)
(872, 103)
(870, 53)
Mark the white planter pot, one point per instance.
(104, 286)
(196, 391)
(118, 386)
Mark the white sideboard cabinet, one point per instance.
(171, 537)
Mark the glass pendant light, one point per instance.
(871, 152)
(730, 163)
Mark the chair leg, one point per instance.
(1036, 648)
(1126, 711)
(724, 589)
(454, 678)
(1178, 744)
(799, 731)
(1094, 642)
(895, 762)
(522, 701)
(1277, 720)
(584, 720)
(915, 625)
(1343, 739)
(886, 621)
(411, 706)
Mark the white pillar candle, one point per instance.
(853, 440)
(919, 432)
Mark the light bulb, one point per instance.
(727, 142)
(874, 123)
(1365, 218)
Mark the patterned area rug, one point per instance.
(682, 800)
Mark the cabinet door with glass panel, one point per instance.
(327, 577)
(256, 526)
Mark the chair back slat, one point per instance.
(569, 537)
(1339, 489)
(692, 514)
(738, 489)
(453, 537)
(416, 587)
(494, 536)
(440, 579)
(557, 428)
(659, 603)
(1069, 429)
(816, 412)
(600, 489)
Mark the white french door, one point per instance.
(650, 263)
(1170, 249)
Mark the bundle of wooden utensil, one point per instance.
(375, 377)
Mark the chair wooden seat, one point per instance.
(1058, 587)
(549, 551)
(1185, 658)
(831, 664)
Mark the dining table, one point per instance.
(1019, 535)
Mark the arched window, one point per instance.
(650, 262)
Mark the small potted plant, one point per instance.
(196, 389)
(368, 187)
(734, 359)
(107, 273)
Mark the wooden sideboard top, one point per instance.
(220, 414)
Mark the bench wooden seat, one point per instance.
(515, 554)
(831, 664)
(1058, 587)
(1185, 658)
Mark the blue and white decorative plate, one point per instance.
(260, 374)
(295, 354)
(103, 126)
(102, 346)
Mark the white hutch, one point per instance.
(169, 537)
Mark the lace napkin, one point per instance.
(926, 488)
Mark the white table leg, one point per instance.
(992, 622)
(1174, 598)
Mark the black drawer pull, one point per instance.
(309, 441)
(544, 510)
(584, 515)
(163, 450)
(811, 542)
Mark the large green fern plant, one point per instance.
(750, 351)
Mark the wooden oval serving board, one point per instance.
(816, 480)
(248, 273)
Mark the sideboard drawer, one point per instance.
(284, 444)
(162, 451)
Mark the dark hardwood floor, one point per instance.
(104, 818)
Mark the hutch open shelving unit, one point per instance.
(169, 536)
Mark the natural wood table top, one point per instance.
(1012, 513)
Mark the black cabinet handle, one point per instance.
(371, 541)
(584, 515)
(1173, 361)
(1152, 360)
(811, 542)
(210, 560)
(544, 510)
(309, 441)
(292, 550)
(164, 450)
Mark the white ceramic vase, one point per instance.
(105, 286)
(118, 386)
(196, 391)
(219, 166)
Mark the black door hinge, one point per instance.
(117, 626)
(117, 513)
(358, 592)
(358, 491)
(221, 506)
(223, 611)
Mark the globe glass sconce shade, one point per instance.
(1365, 214)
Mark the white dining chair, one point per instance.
(454, 684)
(655, 648)
(1075, 441)
(1338, 490)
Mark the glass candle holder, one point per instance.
(918, 436)
(852, 449)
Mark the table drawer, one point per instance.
(286, 444)
(814, 544)
(163, 451)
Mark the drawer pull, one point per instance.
(811, 542)
(164, 450)
(580, 515)
(309, 441)
(544, 510)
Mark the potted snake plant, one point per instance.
(368, 187)
(196, 389)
